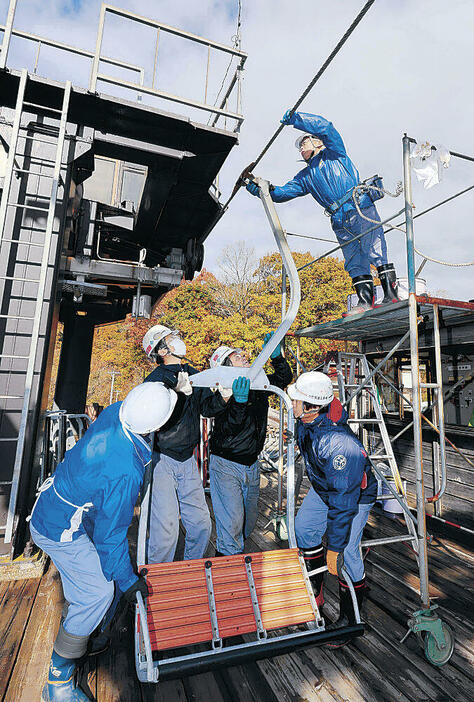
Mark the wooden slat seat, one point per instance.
(178, 605)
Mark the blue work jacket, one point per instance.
(100, 476)
(328, 175)
(339, 470)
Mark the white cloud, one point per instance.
(406, 68)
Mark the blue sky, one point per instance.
(406, 68)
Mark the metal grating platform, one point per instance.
(390, 320)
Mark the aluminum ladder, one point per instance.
(16, 165)
(358, 394)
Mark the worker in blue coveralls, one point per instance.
(100, 476)
(330, 177)
(177, 486)
(343, 489)
(236, 441)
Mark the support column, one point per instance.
(415, 376)
(74, 362)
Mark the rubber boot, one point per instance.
(61, 685)
(388, 279)
(364, 287)
(314, 558)
(346, 610)
(100, 640)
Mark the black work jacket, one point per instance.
(180, 435)
(240, 429)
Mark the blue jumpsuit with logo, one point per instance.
(343, 487)
(98, 481)
(328, 176)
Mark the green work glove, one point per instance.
(241, 389)
(277, 351)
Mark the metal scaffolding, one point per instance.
(402, 320)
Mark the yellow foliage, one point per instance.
(193, 309)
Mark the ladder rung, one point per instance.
(9, 355)
(365, 421)
(11, 397)
(18, 280)
(387, 540)
(32, 137)
(380, 455)
(43, 107)
(25, 170)
(9, 438)
(26, 243)
(48, 163)
(27, 207)
(14, 316)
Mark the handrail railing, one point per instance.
(219, 111)
(215, 112)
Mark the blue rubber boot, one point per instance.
(61, 685)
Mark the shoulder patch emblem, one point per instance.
(339, 462)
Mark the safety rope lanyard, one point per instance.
(398, 191)
(390, 228)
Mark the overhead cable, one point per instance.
(311, 85)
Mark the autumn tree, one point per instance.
(233, 289)
(196, 308)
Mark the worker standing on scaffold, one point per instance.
(236, 441)
(330, 177)
(99, 477)
(343, 489)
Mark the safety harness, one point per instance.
(373, 188)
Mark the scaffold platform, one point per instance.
(391, 320)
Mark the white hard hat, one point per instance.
(147, 407)
(154, 336)
(313, 139)
(313, 387)
(219, 356)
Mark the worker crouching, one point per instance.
(343, 489)
(100, 476)
(236, 441)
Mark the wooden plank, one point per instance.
(17, 601)
(292, 678)
(31, 668)
(169, 691)
(244, 683)
(116, 676)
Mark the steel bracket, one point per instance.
(426, 620)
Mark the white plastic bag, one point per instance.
(428, 164)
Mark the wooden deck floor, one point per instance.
(375, 668)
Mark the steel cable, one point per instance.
(311, 85)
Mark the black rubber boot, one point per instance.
(314, 558)
(364, 287)
(346, 610)
(388, 279)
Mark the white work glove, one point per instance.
(183, 385)
(226, 393)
